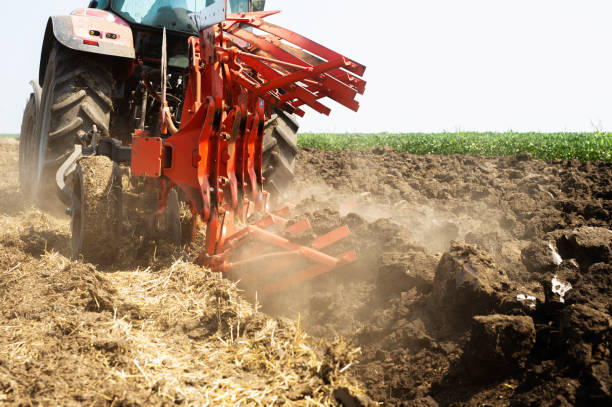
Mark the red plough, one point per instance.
(236, 78)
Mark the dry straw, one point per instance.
(181, 334)
(171, 333)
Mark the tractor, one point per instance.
(193, 100)
(91, 72)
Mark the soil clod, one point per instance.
(498, 346)
(467, 283)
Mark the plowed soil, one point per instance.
(479, 281)
(444, 239)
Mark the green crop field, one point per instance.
(583, 146)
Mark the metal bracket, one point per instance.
(113, 149)
(108, 147)
(64, 171)
(211, 15)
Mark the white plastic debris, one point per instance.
(529, 299)
(556, 257)
(560, 288)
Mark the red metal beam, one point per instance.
(311, 272)
(338, 90)
(307, 44)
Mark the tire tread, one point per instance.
(82, 97)
(279, 152)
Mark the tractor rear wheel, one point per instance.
(279, 152)
(96, 210)
(76, 94)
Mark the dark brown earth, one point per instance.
(460, 296)
(452, 299)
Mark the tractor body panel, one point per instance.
(73, 31)
(94, 34)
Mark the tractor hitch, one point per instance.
(89, 147)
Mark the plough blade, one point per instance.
(270, 262)
(311, 272)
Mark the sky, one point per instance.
(433, 65)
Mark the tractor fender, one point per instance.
(90, 34)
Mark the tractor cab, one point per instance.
(147, 18)
(175, 15)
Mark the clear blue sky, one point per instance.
(433, 65)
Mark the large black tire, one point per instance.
(97, 210)
(76, 94)
(279, 152)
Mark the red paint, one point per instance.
(216, 157)
(147, 155)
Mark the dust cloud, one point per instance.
(416, 220)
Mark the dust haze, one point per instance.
(420, 221)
